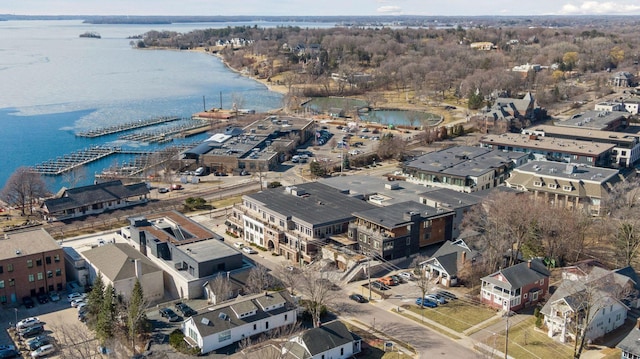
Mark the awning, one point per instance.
(227, 223)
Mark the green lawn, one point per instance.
(526, 342)
(456, 315)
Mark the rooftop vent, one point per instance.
(205, 321)
(223, 316)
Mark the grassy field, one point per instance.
(525, 342)
(457, 315)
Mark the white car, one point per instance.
(407, 276)
(75, 295)
(76, 302)
(249, 250)
(238, 245)
(43, 351)
(27, 322)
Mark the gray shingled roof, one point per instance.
(98, 193)
(519, 275)
(631, 343)
(448, 255)
(321, 204)
(393, 216)
(328, 336)
(116, 261)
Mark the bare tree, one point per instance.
(75, 341)
(259, 279)
(623, 211)
(317, 291)
(273, 344)
(423, 281)
(290, 277)
(23, 189)
(74, 176)
(221, 288)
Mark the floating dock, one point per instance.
(68, 162)
(126, 127)
(167, 134)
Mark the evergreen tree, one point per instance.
(136, 316)
(105, 323)
(95, 299)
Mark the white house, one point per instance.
(243, 318)
(331, 340)
(595, 301)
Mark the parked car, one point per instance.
(436, 298)
(76, 302)
(43, 298)
(426, 303)
(75, 295)
(358, 298)
(176, 187)
(185, 310)
(163, 190)
(32, 331)
(54, 296)
(27, 322)
(379, 285)
(38, 341)
(169, 314)
(43, 351)
(7, 347)
(446, 294)
(249, 250)
(238, 245)
(407, 276)
(28, 302)
(388, 281)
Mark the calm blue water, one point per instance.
(53, 84)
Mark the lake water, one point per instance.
(54, 83)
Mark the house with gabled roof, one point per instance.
(120, 265)
(449, 259)
(245, 317)
(516, 287)
(94, 199)
(331, 340)
(595, 299)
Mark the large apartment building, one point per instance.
(31, 263)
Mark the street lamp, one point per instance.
(16, 311)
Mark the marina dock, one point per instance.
(168, 134)
(68, 162)
(126, 127)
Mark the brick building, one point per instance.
(31, 263)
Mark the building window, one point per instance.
(56, 258)
(40, 276)
(255, 326)
(39, 262)
(341, 351)
(408, 241)
(226, 335)
(1, 284)
(534, 296)
(12, 282)
(29, 263)
(286, 316)
(266, 325)
(10, 267)
(589, 159)
(31, 278)
(1, 269)
(552, 185)
(49, 274)
(47, 260)
(567, 188)
(537, 184)
(58, 272)
(3, 299)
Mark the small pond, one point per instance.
(401, 117)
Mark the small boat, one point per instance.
(93, 35)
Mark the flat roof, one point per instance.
(206, 250)
(568, 171)
(362, 186)
(586, 148)
(610, 136)
(597, 120)
(24, 243)
(394, 215)
(161, 224)
(464, 161)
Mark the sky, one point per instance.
(319, 7)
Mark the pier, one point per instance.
(68, 162)
(126, 127)
(167, 134)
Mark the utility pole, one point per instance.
(506, 336)
(369, 272)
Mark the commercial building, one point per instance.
(565, 185)
(188, 253)
(598, 120)
(260, 146)
(463, 168)
(626, 150)
(31, 263)
(552, 149)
